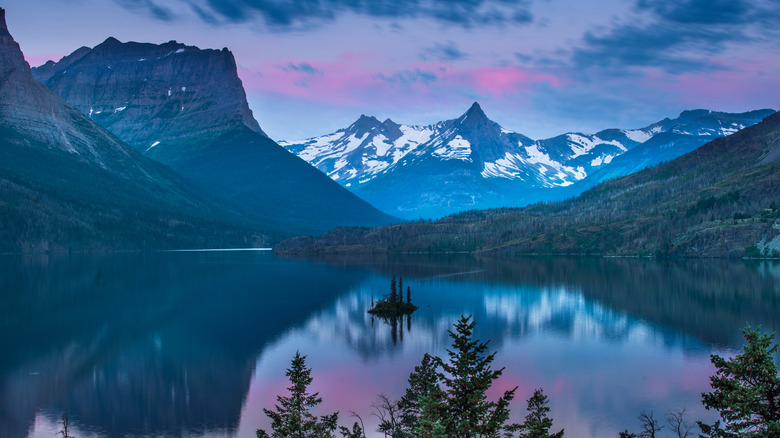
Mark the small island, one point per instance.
(393, 304)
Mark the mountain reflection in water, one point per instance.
(173, 344)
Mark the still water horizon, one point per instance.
(197, 343)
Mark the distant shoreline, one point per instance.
(217, 249)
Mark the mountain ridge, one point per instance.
(471, 162)
(720, 200)
(186, 107)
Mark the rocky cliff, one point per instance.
(67, 184)
(150, 94)
(186, 108)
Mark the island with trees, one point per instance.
(393, 304)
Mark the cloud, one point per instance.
(351, 80)
(699, 11)
(301, 13)
(159, 12)
(302, 67)
(407, 77)
(443, 52)
(669, 48)
(678, 36)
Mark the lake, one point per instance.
(197, 343)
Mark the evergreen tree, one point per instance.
(466, 379)
(746, 391)
(408, 294)
(400, 290)
(292, 418)
(423, 383)
(355, 432)
(432, 423)
(393, 294)
(537, 424)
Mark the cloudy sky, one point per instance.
(539, 67)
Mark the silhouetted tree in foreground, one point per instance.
(746, 391)
(650, 426)
(537, 424)
(466, 378)
(292, 418)
(448, 398)
(65, 424)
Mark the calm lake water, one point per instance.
(196, 344)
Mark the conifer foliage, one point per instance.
(537, 424)
(746, 391)
(292, 418)
(466, 378)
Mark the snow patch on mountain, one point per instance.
(582, 144)
(638, 135)
(602, 160)
(477, 146)
(456, 149)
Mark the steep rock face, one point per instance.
(68, 184)
(149, 94)
(186, 108)
(472, 162)
(29, 107)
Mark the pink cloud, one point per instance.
(351, 80)
(500, 81)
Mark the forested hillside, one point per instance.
(721, 200)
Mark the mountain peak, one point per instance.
(187, 95)
(474, 115)
(110, 41)
(11, 57)
(365, 123)
(3, 26)
(476, 110)
(365, 118)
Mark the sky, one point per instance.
(538, 67)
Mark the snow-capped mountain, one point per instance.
(472, 162)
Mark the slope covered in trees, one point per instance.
(721, 200)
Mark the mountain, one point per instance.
(720, 200)
(186, 108)
(672, 139)
(472, 162)
(150, 94)
(68, 184)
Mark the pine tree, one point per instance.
(423, 383)
(393, 294)
(537, 424)
(431, 423)
(408, 294)
(746, 391)
(466, 379)
(400, 290)
(292, 418)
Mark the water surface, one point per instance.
(196, 344)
